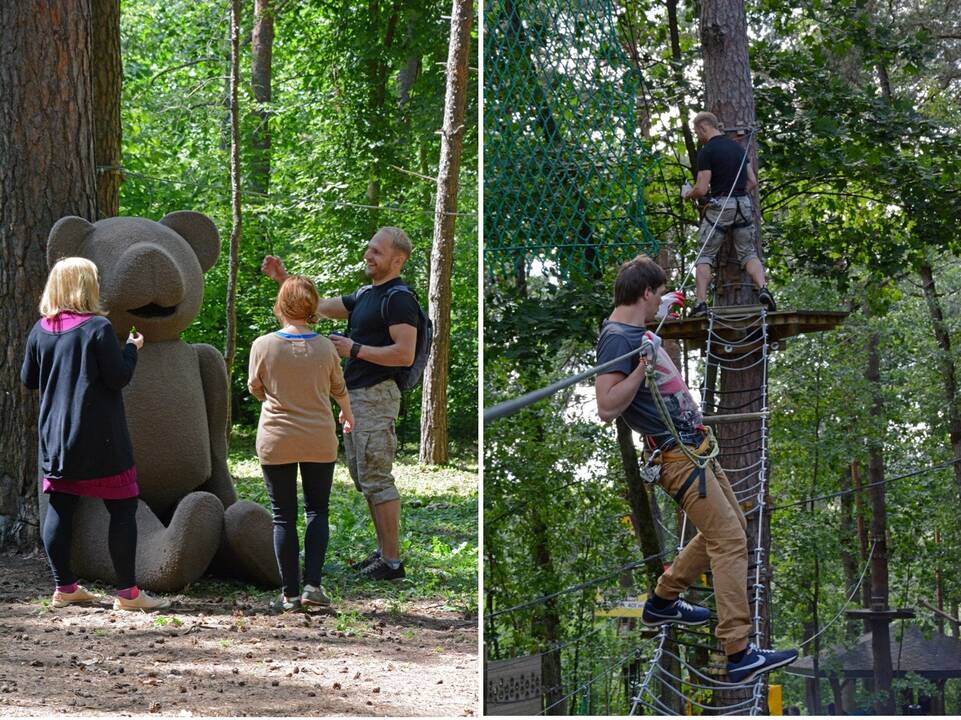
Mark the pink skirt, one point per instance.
(113, 487)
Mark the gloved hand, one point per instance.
(649, 346)
(669, 300)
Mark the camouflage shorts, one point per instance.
(371, 446)
(736, 213)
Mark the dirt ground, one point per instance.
(227, 656)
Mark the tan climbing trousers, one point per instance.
(719, 546)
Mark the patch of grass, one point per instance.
(101, 632)
(348, 621)
(438, 528)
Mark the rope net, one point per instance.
(565, 158)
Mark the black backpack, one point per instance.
(409, 377)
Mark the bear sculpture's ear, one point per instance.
(66, 237)
(200, 233)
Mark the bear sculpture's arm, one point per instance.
(213, 375)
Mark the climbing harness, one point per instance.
(721, 206)
(700, 462)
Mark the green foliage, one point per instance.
(342, 125)
(438, 534)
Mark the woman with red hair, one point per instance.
(295, 372)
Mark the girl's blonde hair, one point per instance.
(72, 286)
(297, 300)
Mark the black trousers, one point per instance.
(281, 481)
(121, 537)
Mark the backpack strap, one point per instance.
(357, 293)
(393, 291)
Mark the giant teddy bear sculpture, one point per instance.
(189, 518)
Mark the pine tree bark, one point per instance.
(433, 424)
(107, 82)
(230, 350)
(47, 171)
(729, 94)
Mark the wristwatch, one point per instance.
(355, 350)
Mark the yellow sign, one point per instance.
(774, 702)
(631, 607)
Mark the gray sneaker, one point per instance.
(282, 604)
(314, 596)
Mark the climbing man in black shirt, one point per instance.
(725, 175)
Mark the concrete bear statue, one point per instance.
(189, 518)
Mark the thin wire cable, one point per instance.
(867, 564)
(590, 682)
(574, 588)
(913, 473)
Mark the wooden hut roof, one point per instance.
(936, 657)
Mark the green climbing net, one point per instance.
(565, 162)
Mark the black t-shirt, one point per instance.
(722, 156)
(367, 327)
(80, 374)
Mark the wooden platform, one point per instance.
(737, 327)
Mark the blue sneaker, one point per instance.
(678, 612)
(757, 661)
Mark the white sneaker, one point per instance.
(80, 595)
(143, 601)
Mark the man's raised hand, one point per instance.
(273, 267)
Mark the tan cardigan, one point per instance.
(295, 379)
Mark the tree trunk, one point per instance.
(547, 626)
(378, 71)
(678, 60)
(946, 361)
(230, 350)
(261, 74)
(729, 94)
(844, 693)
(107, 80)
(47, 170)
(881, 640)
(848, 537)
(862, 538)
(433, 423)
(640, 502)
